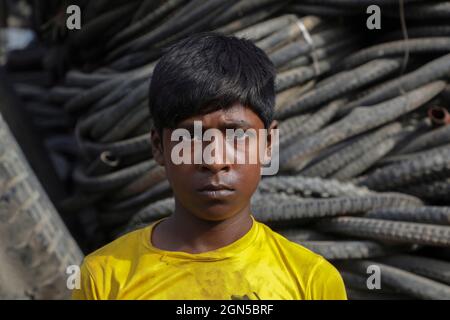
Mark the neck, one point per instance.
(183, 231)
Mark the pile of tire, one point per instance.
(364, 128)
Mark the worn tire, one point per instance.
(35, 245)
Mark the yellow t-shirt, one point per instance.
(260, 265)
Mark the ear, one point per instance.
(157, 146)
(272, 138)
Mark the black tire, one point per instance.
(403, 281)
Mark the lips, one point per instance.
(215, 187)
(216, 191)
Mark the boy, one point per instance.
(211, 247)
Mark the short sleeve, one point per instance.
(87, 290)
(325, 283)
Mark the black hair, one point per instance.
(207, 72)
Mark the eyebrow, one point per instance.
(234, 124)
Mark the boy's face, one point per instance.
(221, 189)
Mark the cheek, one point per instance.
(249, 177)
(180, 179)
(178, 175)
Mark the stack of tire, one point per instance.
(364, 128)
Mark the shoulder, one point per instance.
(123, 248)
(302, 255)
(325, 282)
(105, 270)
(320, 278)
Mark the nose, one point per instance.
(213, 157)
(215, 167)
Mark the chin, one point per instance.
(216, 213)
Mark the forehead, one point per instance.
(236, 115)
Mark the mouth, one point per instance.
(216, 191)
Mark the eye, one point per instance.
(194, 137)
(191, 136)
(239, 135)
